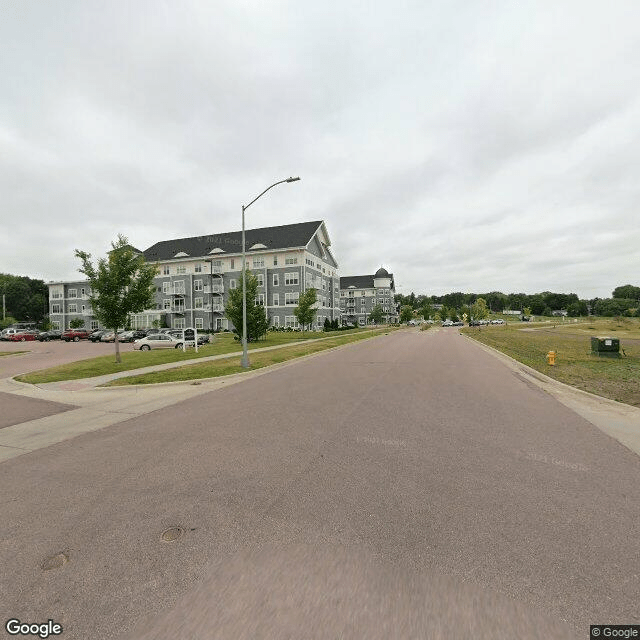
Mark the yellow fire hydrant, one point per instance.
(551, 357)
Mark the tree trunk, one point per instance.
(118, 358)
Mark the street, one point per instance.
(408, 486)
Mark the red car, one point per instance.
(23, 336)
(75, 335)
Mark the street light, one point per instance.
(245, 356)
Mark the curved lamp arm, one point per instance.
(267, 189)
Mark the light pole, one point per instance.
(245, 356)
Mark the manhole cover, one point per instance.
(172, 534)
(55, 562)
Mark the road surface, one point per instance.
(410, 486)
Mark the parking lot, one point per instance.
(41, 355)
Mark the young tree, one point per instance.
(305, 311)
(327, 324)
(377, 314)
(257, 323)
(76, 323)
(406, 313)
(121, 284)
(479, 309)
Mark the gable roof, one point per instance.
(288, 236)
(360, 282)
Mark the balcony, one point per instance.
(216, 288)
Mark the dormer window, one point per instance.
(181, 254)
(257, 245)
(217, 250)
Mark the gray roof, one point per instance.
(360, 282)
(282, 237)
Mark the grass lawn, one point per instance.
(228, 366)
(132, 359)
(615, 378)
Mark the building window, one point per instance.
(56, 308)
(198, 268)
(260, 299)
(275, 264)
(167, 303)
(197, 303)
(291, 321)
(73, 293)
(73, 308)
(260, 277)
(258, 262)
(178, 323)
(166, 287)
(165, 270)
(197, 285)
(181, 270)
(276, 299)
(291, 278)
(178, 305)
(276, 280)
(275, 321)
(293, 260)
(82, 292)
(56, 325)
(232, 284)
(178, 287)
(232, 263)
(291, 297)
(199, 323)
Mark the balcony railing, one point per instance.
(216, 288)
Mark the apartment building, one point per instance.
(196, 274)
(360, 294)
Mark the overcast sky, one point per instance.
(466, 145)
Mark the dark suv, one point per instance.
(75, 334)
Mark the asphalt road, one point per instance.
(411, 486)
(42, 355)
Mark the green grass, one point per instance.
(11, 353)
(614, 378)
(131, 359)
(228, 366)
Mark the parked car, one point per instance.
(7, 333)
(75, 334)
(108, 336)
(157, 341)
(53, 334)
(126, 336)
(96, 335)
(447, 323)
(23, 336)
(459, 323)
(498, 322)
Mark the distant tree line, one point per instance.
(25, 299)
(625, 301)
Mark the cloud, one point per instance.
(461, 146)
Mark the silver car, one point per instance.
(157, 341)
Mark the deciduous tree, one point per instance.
(305, 312)
(121, 284)
(257, 323)
(377, 315)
